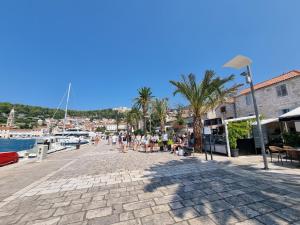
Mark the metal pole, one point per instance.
(66, 110)
(150, 123)
(262, 143)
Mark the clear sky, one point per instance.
(110, 48)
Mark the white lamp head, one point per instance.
(238, 62)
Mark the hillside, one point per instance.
(26, 116)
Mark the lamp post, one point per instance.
(239, 62)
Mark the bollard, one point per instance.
(42, 152)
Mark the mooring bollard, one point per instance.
(42, 152)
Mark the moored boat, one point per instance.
(8, 158)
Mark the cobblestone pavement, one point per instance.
(100, 185)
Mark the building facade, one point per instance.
(274, 97)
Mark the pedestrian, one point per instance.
(165, 140)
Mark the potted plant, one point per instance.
(233, 147)
(237, 130)
(170, 143)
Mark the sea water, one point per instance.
(16, 145)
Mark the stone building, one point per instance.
(274, 97)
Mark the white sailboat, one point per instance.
(71, 137)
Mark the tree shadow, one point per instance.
(224, 193)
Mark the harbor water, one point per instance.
(16, 145)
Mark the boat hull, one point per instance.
(8, 158)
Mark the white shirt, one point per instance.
(165, 137)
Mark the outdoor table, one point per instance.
(291, 152)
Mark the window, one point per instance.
(281, 90)
(248, 99)
(285, 111)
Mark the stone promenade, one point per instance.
(99, 185)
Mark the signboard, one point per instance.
(207, 130)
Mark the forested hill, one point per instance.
(26, 116)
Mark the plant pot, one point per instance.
(234, 152)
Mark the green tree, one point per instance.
(160, 107)
(142, 102)
(203, 97)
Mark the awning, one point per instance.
(292, 115)
(266, 121)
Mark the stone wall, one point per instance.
(269, 104)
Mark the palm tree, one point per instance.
(136, 116)
(179, 122)
(160, 107)
(203, 97)
(129, 120)
(142, 102)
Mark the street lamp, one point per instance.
(239, 62)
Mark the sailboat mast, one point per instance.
(66, 110)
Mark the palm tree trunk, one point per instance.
(162, 126)
(197, 134)
(145, 120)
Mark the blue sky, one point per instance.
(110, 48)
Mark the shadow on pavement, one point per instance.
(223, 193)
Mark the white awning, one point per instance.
(266, 121)
(240, 119)
(293, 113)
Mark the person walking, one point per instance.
(165, 140)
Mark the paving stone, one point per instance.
(142, 212)
(161, 208)
(129, 222)
(249, 222)
(68, 210)
(289, 214)
(202, 210)
(50, 221)
(125, 199)
(271, 219)
(181, 223)
(245, 212)
(126, 216)
(150, 195)
(201, 220)
(117, 208)
(100, 212)
(167, 199)
(81, 200)
(219, 205)
(175, 205)
(138, 205)
(155, 219)
(71, 218)
(93, 205)
(224, 217)
(11, 219)
(106, 220)
(42, 214)
(61, 204)
(184, 214)
(261, 207)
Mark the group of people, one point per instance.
(149, 142)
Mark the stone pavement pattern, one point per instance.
(99, 185)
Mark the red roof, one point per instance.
(275, 80)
